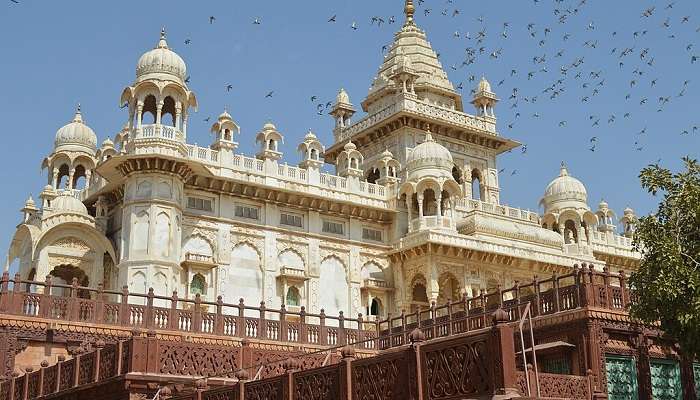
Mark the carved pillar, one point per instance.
(159, 112)
(88, 175)
(69, 184)
(139, 115)
(178, 114)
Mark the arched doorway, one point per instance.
(63, 275)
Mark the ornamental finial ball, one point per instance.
(409, 9)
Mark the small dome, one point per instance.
(342, 97)
(565, 191)
(67, 203)
(310, 136)
(107, 143)
(76, 133)
(29, 203)
(484, 85)
(48, 188)
(628, 211)
(602, 205)
(387, 154)
(225, 115)
(161, 63)
(430, 150)
(269, 126)
(350, 146)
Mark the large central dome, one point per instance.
(161, 63)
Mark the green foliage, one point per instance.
(667, 284)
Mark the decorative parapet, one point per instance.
(465, 205)
(376, 284)
(200, 260)
(422, 109)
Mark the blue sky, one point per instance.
(58, 53)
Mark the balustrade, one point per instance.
(580, 288)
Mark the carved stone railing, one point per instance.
(159, 131)
(467, 205)
(421, 108)
(202, 154)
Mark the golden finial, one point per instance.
(409, 10)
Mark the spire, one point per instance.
(409, 10)
(162, 44)
(78, 116)
(562, 170)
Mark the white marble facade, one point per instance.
(412, 215)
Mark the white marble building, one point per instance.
(412, 214)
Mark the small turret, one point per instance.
(349, 163)
(223, 129)
(629, 222)
(484, 99)
(269, 139)
(311, 151)
(342, 110)
(29, 209)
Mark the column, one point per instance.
(409, 207)
(55, 178)
(69, 184)
(139, 115)
(420, 206)
(178, 114)
(159, 112)
(88, 174)
(439, 204)
(184, 123)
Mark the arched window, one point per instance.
(457, 175)
(198, 286)
(570, 232)
(419, 293)
(149, 107)
(314, 154)
(227, 134)
(293, 297)
(168, 109)
(63, 172)
(429, 203)
(79, 177)
(476, 185)
(271, 145)
(373, 175)
(375, 308)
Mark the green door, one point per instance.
(622, 378)
(666, 380)
(696, 374)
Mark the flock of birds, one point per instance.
(567, 37)
(633, 58)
